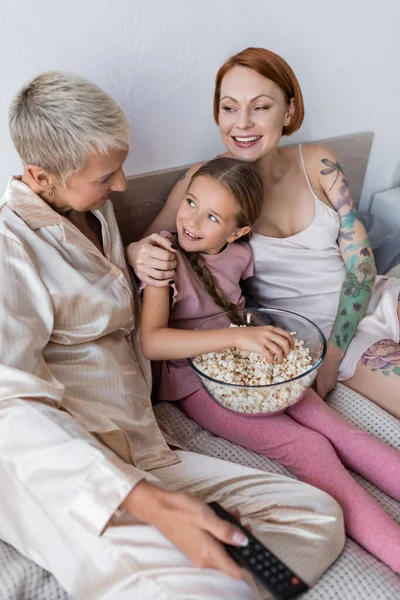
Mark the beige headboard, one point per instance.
(146, 194)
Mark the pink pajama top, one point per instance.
(192, 305)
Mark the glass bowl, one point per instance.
(269, 399)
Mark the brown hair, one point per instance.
(244, 182)
(273, 67)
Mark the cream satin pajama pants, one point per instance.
(133, 561)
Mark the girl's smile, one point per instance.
(189, 236)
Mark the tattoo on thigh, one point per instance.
(384, 356)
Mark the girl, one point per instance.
(314, 442)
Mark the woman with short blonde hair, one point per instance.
(94, 493)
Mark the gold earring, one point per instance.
(50, 191)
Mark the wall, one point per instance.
(158, 59)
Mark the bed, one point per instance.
(356, 574)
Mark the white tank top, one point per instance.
(304, 273)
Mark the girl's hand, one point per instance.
(272, 342)
(189, 524)
(153, 260)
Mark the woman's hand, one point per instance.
(327, 374)
(153, 260)
(189, 524)
(272, 342)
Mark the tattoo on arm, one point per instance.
(332, 167)
(182, 177)
(344, 191)
(354, 297)
(359, 262)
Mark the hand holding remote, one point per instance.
(263, 564)
(189, 524)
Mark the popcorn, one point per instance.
(244, 368)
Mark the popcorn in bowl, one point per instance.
(245, 382)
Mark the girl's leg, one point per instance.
(376, 461)
(377, 376)
(311, 457)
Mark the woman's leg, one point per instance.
(377, 376)
(132, 560)
(300, 524)
(376, 461)
(311, 457)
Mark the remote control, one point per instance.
(261, 562)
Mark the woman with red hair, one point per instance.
(312, 253)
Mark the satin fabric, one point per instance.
(69, 340)
(132, 560)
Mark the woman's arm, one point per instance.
(356, 251)
(358, 258)
(54, 455)
(159, 342)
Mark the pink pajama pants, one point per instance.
(315, 443)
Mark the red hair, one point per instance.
(273, 67)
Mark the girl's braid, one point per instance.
(203, 272)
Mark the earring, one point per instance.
(50, 191)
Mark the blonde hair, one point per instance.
(58, 119)
(244, 183)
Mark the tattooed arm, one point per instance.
(355, 250)
(329, 180)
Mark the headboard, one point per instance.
(146, 194)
